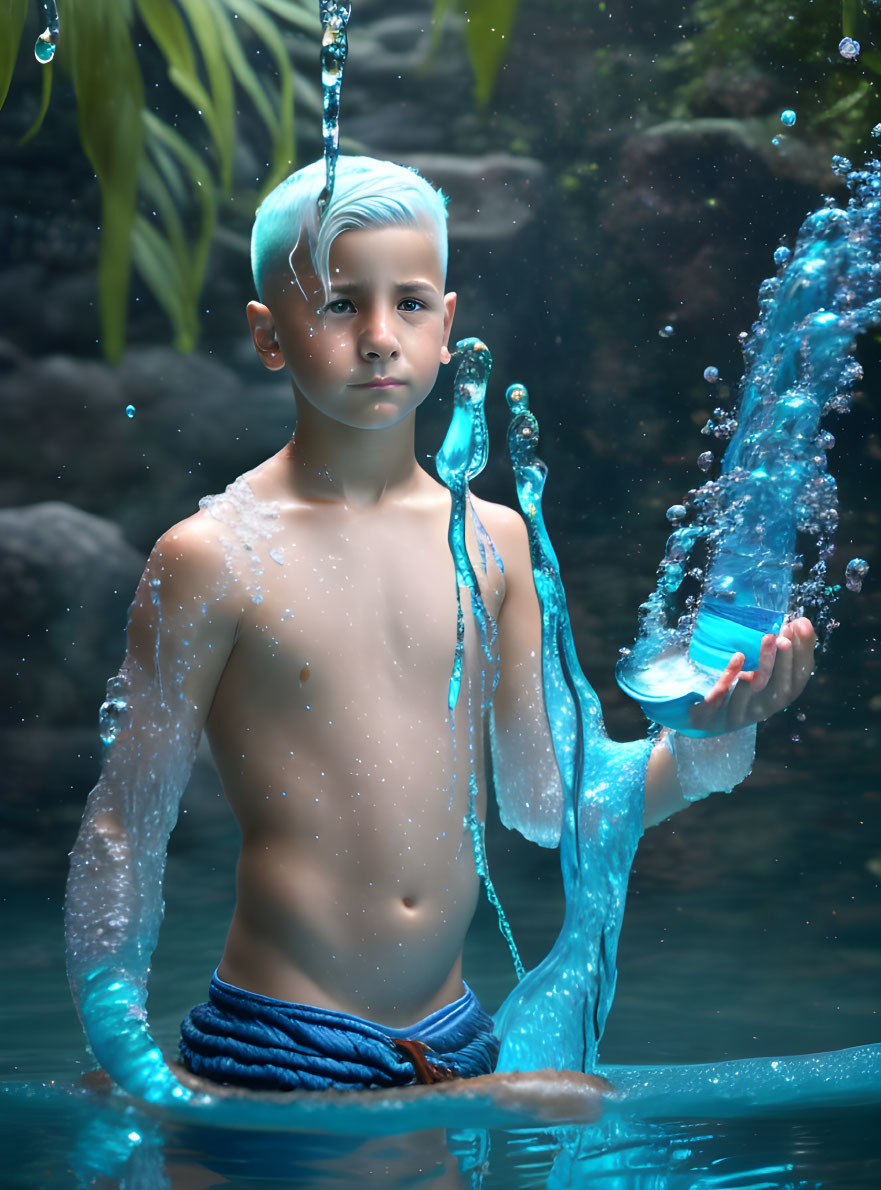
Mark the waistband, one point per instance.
(431, 1028)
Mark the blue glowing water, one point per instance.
(334, 50)
(462, 456)
(774, 488)
(47, 42)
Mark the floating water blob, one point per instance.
(711, 375)
(676, 513)
(130, 411)
(849, 48)
(666, 332)
(773, 483)
(705, 460)
(44, 46)
(854, 573)
(788, 117)
(782, 255)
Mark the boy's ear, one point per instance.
(262, 326)
(449, 311)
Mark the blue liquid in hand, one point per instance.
(774, 485)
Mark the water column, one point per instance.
(334, 16)
(773, 484)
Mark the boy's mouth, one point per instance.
(380, 382)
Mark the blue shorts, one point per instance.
(254, 1041)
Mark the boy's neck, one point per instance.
(330, 462)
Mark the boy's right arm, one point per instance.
(182, 628)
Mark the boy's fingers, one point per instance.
(760, 676)
(726, 679)
(780, 690)
(803, 641)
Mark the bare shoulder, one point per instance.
(191, 554)
(507, 531)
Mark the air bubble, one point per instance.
(849, 48)
(854, 574)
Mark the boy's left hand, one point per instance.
(739, 698)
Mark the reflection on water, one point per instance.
(73, 1140)
(727, 929)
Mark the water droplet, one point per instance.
(782, 255)
(711, 374)
(775, 141)
(44, 48)
(130, 411)
(876, 131)
(854, 573)
(110, 717)
(849, 48)
(788, 117)
(277, 556)
(666, 332)
(676, 513)
(705, 460)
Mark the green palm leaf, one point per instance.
(12, 17)
(488, 25)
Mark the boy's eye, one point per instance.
(410, 305)
(340, 306)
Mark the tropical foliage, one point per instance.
(766, 36)
(159, 193)
(207, 48)
(488, 25)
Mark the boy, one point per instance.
(306, 619)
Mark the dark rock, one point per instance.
(196, 426)
(66, 578)
(491, 198)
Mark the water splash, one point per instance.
(774, 489)
(46, 43)
(461, 458)
(556, 1015)
(334, 51)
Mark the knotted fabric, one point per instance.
(254, 1041)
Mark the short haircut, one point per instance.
(367, 193)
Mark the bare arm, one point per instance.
(181, 630)
(527, 780)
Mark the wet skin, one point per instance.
(325, 702)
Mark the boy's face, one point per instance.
(366, 354)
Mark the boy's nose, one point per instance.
(378, 339)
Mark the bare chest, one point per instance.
(354, 611)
